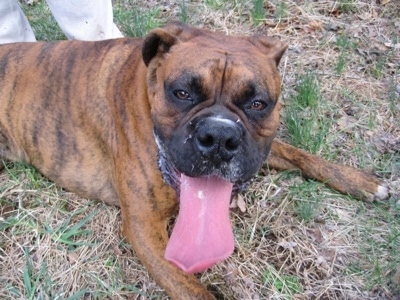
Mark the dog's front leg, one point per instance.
(144, 226)
(344, 179)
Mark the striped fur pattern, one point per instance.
(85, 115)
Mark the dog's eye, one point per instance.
(257, 105)
(182, 95)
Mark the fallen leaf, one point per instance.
(317, 234)
(238, 202)
(386, 143)
(391, 45)
(269, 23)
(346, 123)
(316, 25)
(396, 277)
(287, 245)
(233, 203)
(365, 16)
(73, 257)
(241, 203)
(322, 261)
(117, 251)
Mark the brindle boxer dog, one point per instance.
(103, 118)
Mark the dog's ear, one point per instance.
(157, 42)
(160, 40)
(271, 46)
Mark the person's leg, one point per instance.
(85, 19)
(14, 26)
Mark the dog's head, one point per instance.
(213, 99)
(213, 102)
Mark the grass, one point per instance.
(295, 239)
(306, 125)
(215, 3)
(281, 10)
(346, 6)
(135, 21)
(67, 234)
(184, 17)
(393, 94)
(258, 11)
(374, 249)
(344, 44)
(43, 23)
(284, 285)
(306, 200)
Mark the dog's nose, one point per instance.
(218, 140)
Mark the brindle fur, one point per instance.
(83, 115)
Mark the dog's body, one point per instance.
(102, 118)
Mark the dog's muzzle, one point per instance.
(218, 139)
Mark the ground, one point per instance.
(295, 239)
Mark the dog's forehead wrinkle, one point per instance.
(211, 62)
(223, 76)
(230, 44)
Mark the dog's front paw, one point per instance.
(382, 193)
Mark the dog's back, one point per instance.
(56, 111)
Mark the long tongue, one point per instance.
(202, 235)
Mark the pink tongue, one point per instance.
(202, 235)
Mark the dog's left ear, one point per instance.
(271, 46)
(157, 42)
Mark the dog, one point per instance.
(178, 121)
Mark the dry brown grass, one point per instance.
(295, 239)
